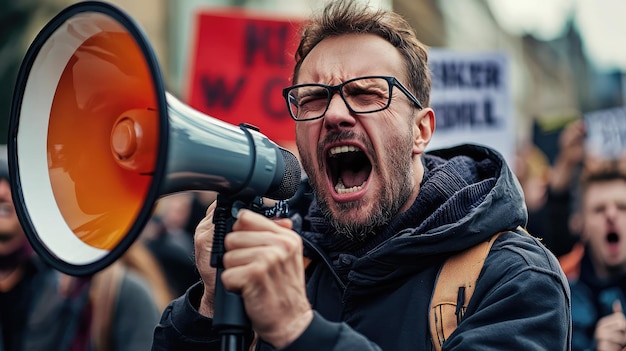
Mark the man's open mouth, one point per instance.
(612, 238)
(348, 168)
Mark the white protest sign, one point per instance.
(471, 97)
(606, 133)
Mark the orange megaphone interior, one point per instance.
(105, 77)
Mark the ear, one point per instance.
(423, 129)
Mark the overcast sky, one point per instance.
(601, 23)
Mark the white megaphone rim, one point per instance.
(32, 193)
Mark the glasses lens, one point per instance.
(308, 102)
(367, 94)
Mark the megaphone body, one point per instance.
(95, 140)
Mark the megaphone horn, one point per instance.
(95, 140)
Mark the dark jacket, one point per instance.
(48, 319)
(376, 296)
(592, 299)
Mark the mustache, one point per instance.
(345, 135)
(338, 136)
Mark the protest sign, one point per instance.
(471, 98)
(241, 62)
(606, 133)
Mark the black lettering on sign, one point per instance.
(490, 119)
(612, 140)
(466, 75)
(465, 115)
(455, 115)
(266, 42)
(273, 87)
(216, 92)
(606, 132)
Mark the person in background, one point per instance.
(139, 259)
(42, 309)
(385, 217)
(562, 230)
(532, 169)
(167, 238)
(598, 285)
(562, 224)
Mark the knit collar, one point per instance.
(447, 194)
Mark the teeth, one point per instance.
(340, 188)
(341, 149)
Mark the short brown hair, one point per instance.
(350, 17)
(607, 172)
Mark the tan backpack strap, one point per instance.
(454, 286)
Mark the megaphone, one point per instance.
(95, 140)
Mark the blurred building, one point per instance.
(553, 78)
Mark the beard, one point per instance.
(391, 197)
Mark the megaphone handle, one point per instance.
(230, 317)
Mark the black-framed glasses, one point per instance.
(368, 94)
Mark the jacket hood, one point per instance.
(468, 194)
(481, 197)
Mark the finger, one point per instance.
(207, 220)
(252, 221)
(259, 257)
(289, 241)
(245, 268)
(253, 266)
(608, 345)
(580, 125)
(209, 211)
(250, 218)
(203, 236)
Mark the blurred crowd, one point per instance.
(576, 205)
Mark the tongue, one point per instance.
(351, 178)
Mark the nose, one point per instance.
(611, 212)
(338, 115)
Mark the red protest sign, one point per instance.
(240, 64)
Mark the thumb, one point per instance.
(617, 306)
